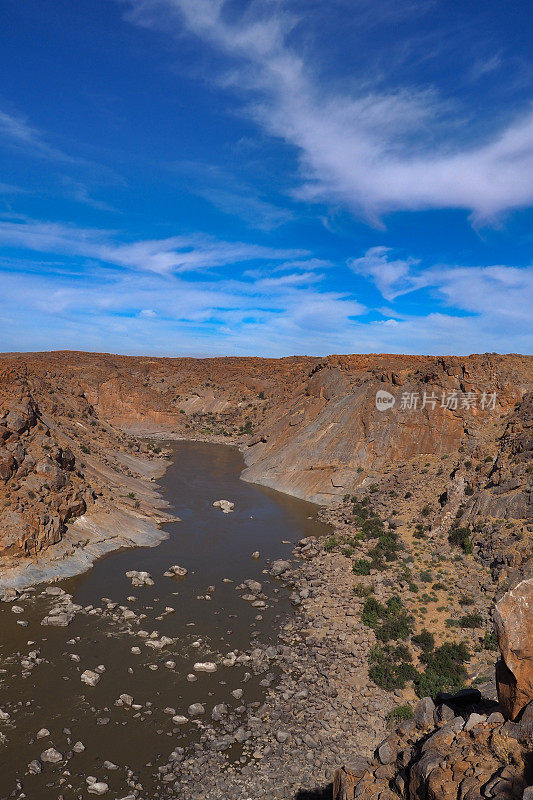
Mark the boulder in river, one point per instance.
(51, 756)
(279, 567)
(90, 677)
(140, 578)
(175, 572)
(225, 505)
(205, 666)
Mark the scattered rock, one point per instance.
(140, 578)
(225, 505)
(51, 756)
(175, 572)
(90, 677)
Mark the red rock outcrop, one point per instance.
(513, 620)
(443, 757)
(307, 426)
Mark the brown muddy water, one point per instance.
(44, 690)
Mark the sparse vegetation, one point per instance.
(471, 621)
(361, 566)
(391, 666)
(400, 713)
(460, 537)
(444, 669)
(388, 621)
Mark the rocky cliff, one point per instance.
(306, 426)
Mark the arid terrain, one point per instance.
(430, 502)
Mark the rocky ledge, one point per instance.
(458, 749)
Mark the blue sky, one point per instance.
(210, 177)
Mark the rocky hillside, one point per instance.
(306, 426)
(60, 459)
(465, 746)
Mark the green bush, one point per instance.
(361, 566)
(444, 670)
(330, 544)
(361, 590)
(400, 714)
(425, 640)
(419, 532)
(372, 612)
(471, 621)
(388, 621)
(460, 537)
(391, 667)
(490, 641)
(372, 527)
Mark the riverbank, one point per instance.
(173, 643)
(321, 711)
(107, 526)
(324, 710)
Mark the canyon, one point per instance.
(429, 499)
(308, 427)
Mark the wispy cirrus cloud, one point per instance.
(375, 151)
(184, 253)
(19, 134)
(170, 314)
(160, 311)
(233, 195)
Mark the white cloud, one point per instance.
(17, 132)
(233, 196)
(187, 253)
(391, 276)
(149, 312)
(276, 314)
(494, 302)
(371, 150)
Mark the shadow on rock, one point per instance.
(323, 793)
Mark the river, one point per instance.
(44, 690)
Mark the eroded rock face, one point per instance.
(306, 426)
(470, 756)
(513, 619)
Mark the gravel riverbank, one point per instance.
(320, 710)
